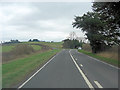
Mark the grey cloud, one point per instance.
(42, 19)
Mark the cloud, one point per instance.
(45, 21)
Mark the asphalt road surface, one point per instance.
(71, 69)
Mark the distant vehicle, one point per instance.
(80, 48)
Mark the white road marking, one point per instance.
(100, 61)
(37, 72)
(76, 59)
(81, 65)
(69, 50)
(98, 84)
(83, 75)
(103, 62)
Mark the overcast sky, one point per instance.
(44, 21)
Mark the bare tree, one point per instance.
(72, 36)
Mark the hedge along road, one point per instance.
(71, 69)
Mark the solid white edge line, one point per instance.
(103, 62)
(83, 75)
(37, 72)
(100, 61)
(98, 84)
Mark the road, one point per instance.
(71, 69)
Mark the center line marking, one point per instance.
(81, 65)
(98, 84)
(83, 75)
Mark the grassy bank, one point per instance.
(108, 60)
(7, 48)
(36, 47)
(15, 71)
(50, 44)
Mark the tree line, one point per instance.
(72, 43)
(17, 41)
(101, 26)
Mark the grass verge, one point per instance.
(16, 71)
(107, 60)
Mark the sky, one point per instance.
(46, 21)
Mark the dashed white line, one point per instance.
(83, 75)
(69, 50)
(81, 65)
(103, 62)
(100, 61)
(98, 84)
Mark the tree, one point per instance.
(30, 40)
(72, 36)
(35, 40)
(91, 24)
(110, 14)
(75, 43)
(14, 41)
(66, 43)
(102, 26)
(108, 10)
(81, 43)
(71, 44)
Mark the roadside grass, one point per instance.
(111, 53)
(16, 71)
(36, 47)
(108, 54)
(107, 60)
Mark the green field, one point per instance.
(50, 44)
(54, 44)
(7, 48)
(108, 60)
(15, 71)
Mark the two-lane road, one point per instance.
(71, 69)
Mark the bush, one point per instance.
(22, 49)
(87, 47)
(71, 44)
(108, 53)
